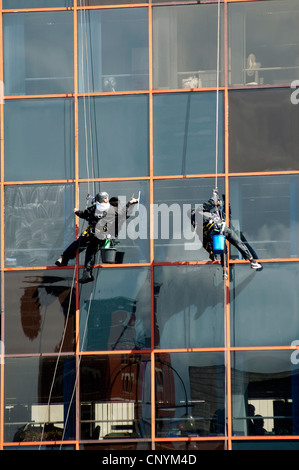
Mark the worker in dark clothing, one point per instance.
(102, 218)
(213, 223)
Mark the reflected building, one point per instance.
(162, 101)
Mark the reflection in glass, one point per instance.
(185, 133)
(258, 54)
(190, 394)
(133, 244)
(263, 130)
(113, 50)
(174, 239)
(265, 393)
(39, 222)
(113, 136)
(178, 59)
(34, 61)
(115, 310)
(189, 306)
(264, 306)
(115, 396)
(263, 210)
(28, 414)
(40, 311)
(38, 132)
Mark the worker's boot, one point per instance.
(61, 261)
(86, 276)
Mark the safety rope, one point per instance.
(58, 358)
(217, 92)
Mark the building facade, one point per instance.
(163, 101)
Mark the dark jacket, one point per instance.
(100, 225)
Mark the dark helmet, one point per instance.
(101, 196)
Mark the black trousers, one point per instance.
(88, 242)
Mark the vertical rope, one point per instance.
(217, 92)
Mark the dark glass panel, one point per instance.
(127, 446)
(115, 396)
(265, 445)
(115, 310)
(190, 394)
(39, 223)
(264, 306)
(133, 243)
(113, 136)
(265, 393)
(174, 240)
(38, 132)
(29, 383)
(263, 131)
(264, 212)
(185, 133)
(189, 445)
(189, 306)
(259, 55)
(40, 311)
(10, 4)
(179, 61)
(113, 50)
(34, 61)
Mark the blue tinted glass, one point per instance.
(39, 223)
(185, 133)
(257, 302)
(190, 390)
(185, 318)
(113, 136)
(264, 211)
(34, 61)
(113, 50)
(117, 317)
(38, 132)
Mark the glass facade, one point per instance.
(163, 102)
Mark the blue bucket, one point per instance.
(218, 244)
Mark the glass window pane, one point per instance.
(39, 223)
(185, 133)
(258, 54)
(28, 415)
(115, 396)
(133, 242)
(117, 317)
(174, 237)
(178, 59)
(34, 61)
(265, 393)
(257, 303)
(263, 130)
(264, 213)
(116, 42)
(40, 311)
(38, 132)
(113, 137)
(184, 317)
(190, 394)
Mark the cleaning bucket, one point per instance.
(218, 244)
(108, 255)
